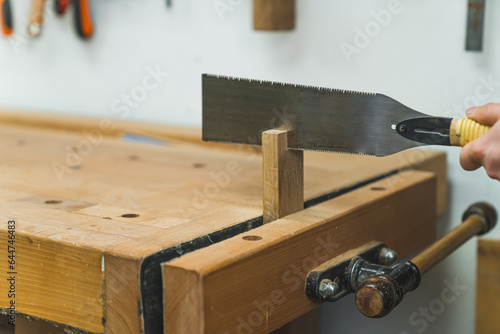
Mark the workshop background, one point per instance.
(416, 54)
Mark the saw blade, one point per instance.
(238, 110)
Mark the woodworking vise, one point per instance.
(377, 279)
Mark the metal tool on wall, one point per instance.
(475, 25)
(83, 18)
(61, 6)
(323, 119)
(84, 23)
(378, 281)
(7, 23)
(36, 18)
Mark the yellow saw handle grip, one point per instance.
(465, 130)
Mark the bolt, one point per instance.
(387, 256)
(403, 128)
(328, 289)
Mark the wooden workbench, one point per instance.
(97, 216)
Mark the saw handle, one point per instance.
(465, 130)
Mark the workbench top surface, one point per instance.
(141, 198)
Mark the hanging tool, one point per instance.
(7, 24)
(475, 25)
(379, 283)
(61, 6)
(274, 14)
(36, 18)
(83, 18)
(323, 119)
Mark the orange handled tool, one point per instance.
(83, 18)
(7, 25)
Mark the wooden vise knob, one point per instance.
(379, 295)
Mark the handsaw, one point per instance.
(238, 110)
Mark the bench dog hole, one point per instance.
(252, 238)
(378, 188)
(53, 201)
(130, 215)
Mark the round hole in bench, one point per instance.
(252, 237)
(130, 215)
(378, 188)
(198, 165)
(53, 201)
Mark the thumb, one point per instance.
(488, 114)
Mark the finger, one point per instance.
(470, 156)
(491, 159)
(492, 165)
(488, 114)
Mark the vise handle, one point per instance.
(377, 296)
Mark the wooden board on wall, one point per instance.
(91, 208)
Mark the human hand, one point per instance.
(484, 151)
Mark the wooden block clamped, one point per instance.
(274, 14)
(282, 176)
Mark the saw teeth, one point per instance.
(336, 90)
(331, 151)
(340, 152)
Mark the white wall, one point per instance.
(418, 58)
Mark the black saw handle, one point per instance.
(441, 130)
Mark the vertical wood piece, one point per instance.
(282, 176)
(488, 286)
(274, 14)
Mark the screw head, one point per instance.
(328, 288)
(387, 256)
(403, 128)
